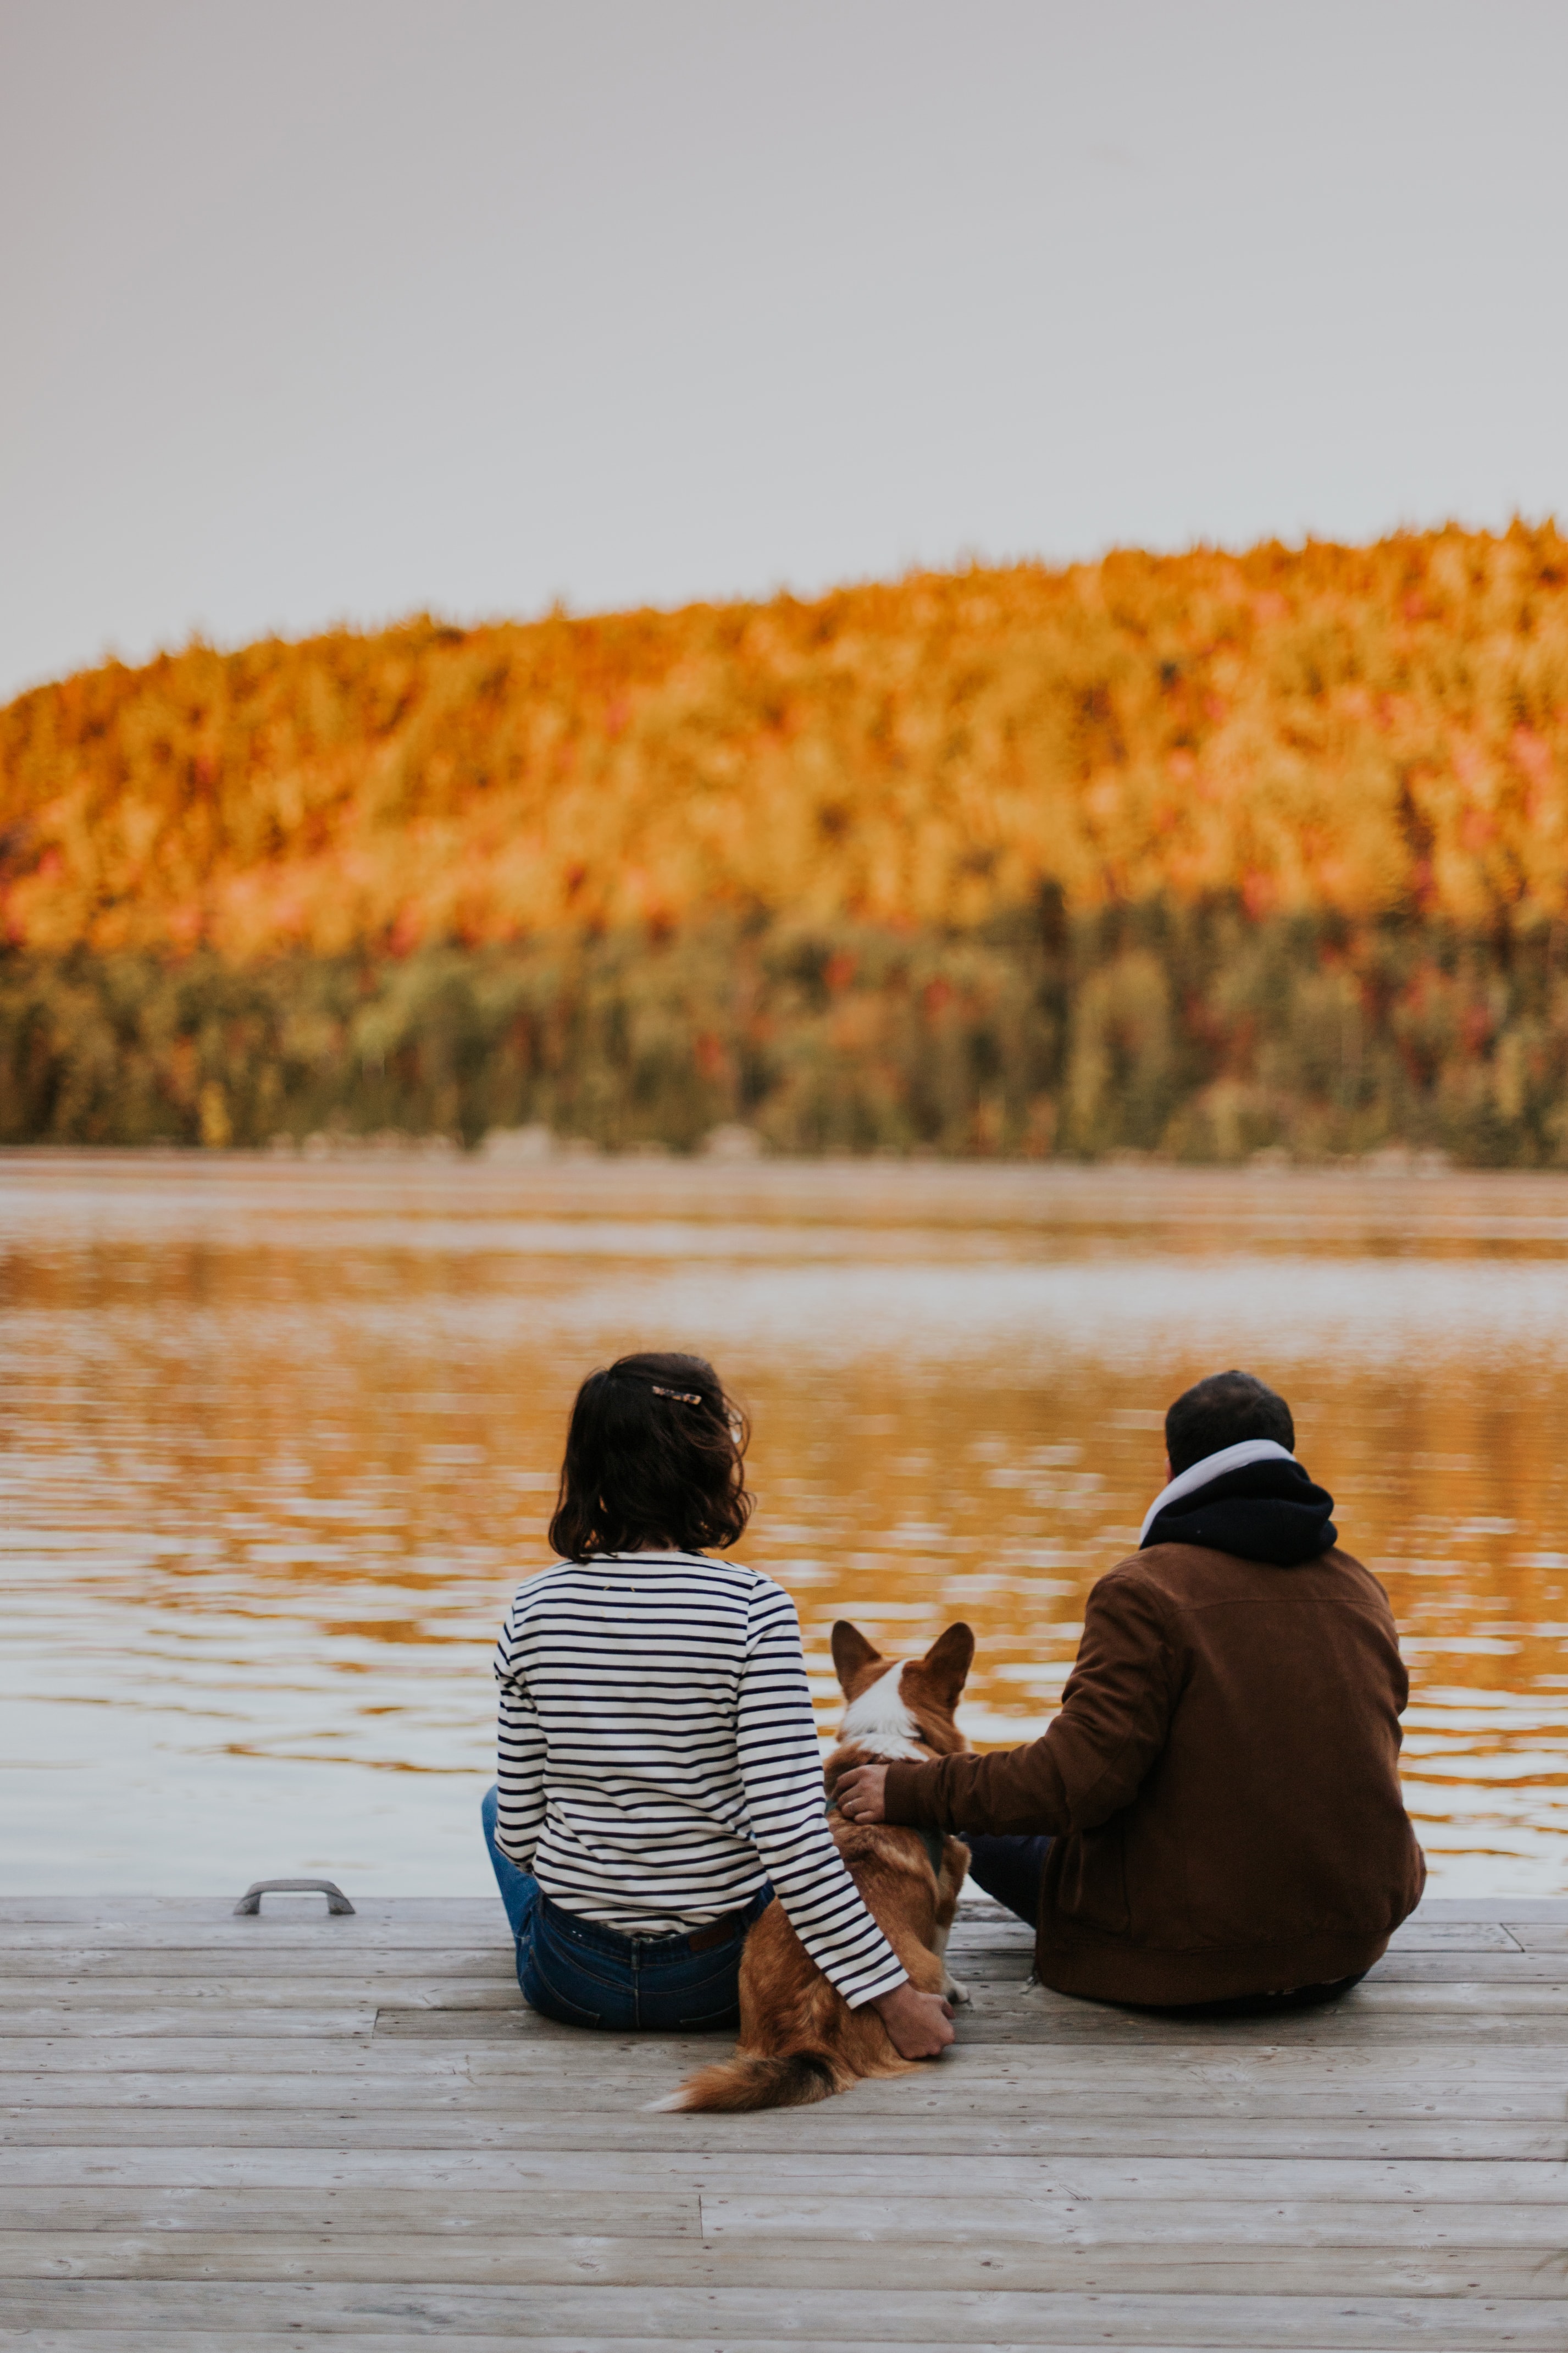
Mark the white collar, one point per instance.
(1213, 1466)
(670, 1552)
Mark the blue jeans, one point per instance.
(1010, 1868)
(584, 1975)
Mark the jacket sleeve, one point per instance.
(520, 1755)
(1113, 1724)
(781, 1772)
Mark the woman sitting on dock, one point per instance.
(659, 1778)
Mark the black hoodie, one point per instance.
(1267, 1511)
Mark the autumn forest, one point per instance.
(1201, 854)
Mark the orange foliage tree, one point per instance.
(1358, 730)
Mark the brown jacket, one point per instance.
(1221, 1783)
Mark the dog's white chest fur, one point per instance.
(880, 1721)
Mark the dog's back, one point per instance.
(799, 2039)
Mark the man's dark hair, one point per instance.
(1222, 1411)
(654, 1454)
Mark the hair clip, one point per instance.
(681, 1397)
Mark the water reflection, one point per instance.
(277, 1440)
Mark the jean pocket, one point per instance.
(709, 2022)
(704, 2004)
(547, 1999)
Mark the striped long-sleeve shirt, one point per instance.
(658, 1756)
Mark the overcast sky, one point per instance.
(317, 308)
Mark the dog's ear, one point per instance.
(949, 1660)
(851, 1653)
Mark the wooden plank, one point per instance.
(384, 2261)
(1510, 1967)
(210, 2053)
(1423, 1936)
(1376, 1997)
(226, 2341)
(831, 2129)
(1336, 2027)
(1369, 2020)
(527, 2260)
(833, 2320)
(245, 2340)
(151, 2340)
(1329, 2220)
(1402, 1994)
(1508, 1908)
(245, 1963)
(330, 1938)
(1416, 2076)
(241, 2340)
(1424, 2069)
(1213, 2058)
(70, 2214)
(955, 2089)
(840, 2123)
(201, 1994)
(53, 2019)
(1541, 1936)
(1498, 1982)
(148, 2092)
(64, 2216)
(136, 1965)
(463, 1916)
(730, 2170)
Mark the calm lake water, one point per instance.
(277, 1439)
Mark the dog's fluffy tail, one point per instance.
(792, 2082)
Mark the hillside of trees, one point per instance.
(1198, 854)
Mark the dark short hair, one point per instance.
(1222, 1411)
(654, 1454)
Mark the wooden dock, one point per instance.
(295, 2130)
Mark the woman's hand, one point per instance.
(857, 1794)
(920, 2023)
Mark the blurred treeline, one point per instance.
(1202, 854)
(1195, 1030)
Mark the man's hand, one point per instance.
(920, 2023)
(857, 1795)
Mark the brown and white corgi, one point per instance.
(799, 2039)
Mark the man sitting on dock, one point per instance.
(1215, 1814)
